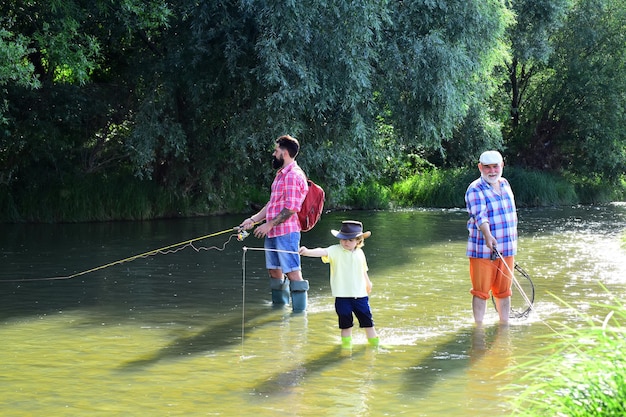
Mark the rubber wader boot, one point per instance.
(374, 341)
(299, 294)
(280, 291)
(346, 342)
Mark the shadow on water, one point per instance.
(218, 336)
(453, 356)
(40, 256)
(122, 291)
(283, 382)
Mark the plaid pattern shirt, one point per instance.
(288, 191)
(485, 205)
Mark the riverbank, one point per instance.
(446, 189)
(123, 198)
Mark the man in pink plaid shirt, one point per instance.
(281, 229)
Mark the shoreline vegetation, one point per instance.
(124, 198)
(581, 374)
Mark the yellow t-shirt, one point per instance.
(347, 271)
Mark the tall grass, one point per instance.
(582, 375)
(446, 188)
(91, 199)
(367, 196)
(433, 188)
(129, 198)
(540, 189)
(593, 189)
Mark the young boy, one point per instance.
(349, 282)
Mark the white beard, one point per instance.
(492, 179)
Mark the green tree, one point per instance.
(14, 69)
(14, 64)
(530, 40)
(582, 111)
(190, 96)
(251, 71)
(531, 46)
(78, 53)
(260, 70)
(438, 60)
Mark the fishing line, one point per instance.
(243, 284)
(166, 250)
(243, 300)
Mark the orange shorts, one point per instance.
(488, 275)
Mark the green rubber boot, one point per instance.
(374, 341)
(346, 342)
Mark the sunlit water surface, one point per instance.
(193, 332)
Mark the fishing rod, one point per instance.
(529, 300)
(237, 231)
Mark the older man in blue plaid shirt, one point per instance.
(492, 226)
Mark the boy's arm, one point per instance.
(368, 283)
(314, 253)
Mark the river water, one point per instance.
(192, 332)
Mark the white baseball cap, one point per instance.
(490, 157)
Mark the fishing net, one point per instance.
(523, 294)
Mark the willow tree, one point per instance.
(190, 96)
(436, 76)
(238, 74)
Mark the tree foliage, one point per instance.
(531, 45)
(189, 96)
(586, 95)
(567, 92)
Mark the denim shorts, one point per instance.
(279, 259)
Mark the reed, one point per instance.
(104, 198)
(446, 188)
(91, 199)
(367, 196)
(540, 189)
(594, 189)
(582, 374)
(433, 188)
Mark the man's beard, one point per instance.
(492, 180)
(278, 163)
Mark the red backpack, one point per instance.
(312, 206)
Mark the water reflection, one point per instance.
(176, 335)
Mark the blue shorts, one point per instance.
(286, 262)
(345, 306)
